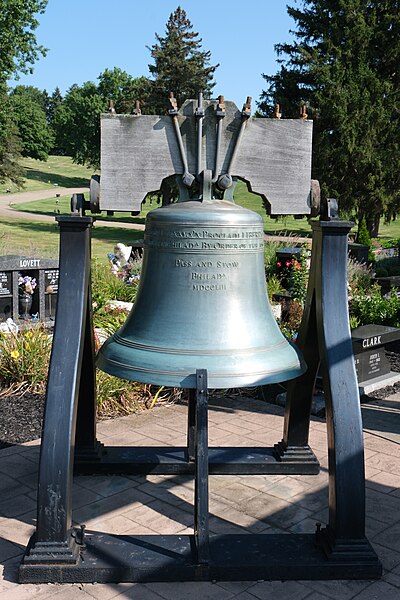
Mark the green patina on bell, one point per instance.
(202, 304)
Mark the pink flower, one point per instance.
(278, 264)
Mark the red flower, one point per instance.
(296, 264)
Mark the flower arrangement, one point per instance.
(294, 274)
(26, 284)
(121, 264)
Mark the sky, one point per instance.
(84, 37)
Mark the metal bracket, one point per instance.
(187, 177)
(225, 180)
(329, 209)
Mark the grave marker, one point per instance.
(372, 365)
(44, 297)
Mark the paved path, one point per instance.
(9, 212)
(252, 503)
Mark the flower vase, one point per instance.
(25, 304)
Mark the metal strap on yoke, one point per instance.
(224, 181)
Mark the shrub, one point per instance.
(359, 276)
(298, 277)
(290, 326)
(107, 286)
(363, 236)
(274, 286)
(371, 307)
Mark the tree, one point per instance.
(32, 92)
(18, 52)
(77, 123)
(18, 46)
(28, 107)
(123, 89)
(53, 102)
(10, 146)
(180, 66)
(76, 119)
(344, 67)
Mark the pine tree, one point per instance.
(180, 65)
(344, 67)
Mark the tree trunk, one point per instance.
(373, 225)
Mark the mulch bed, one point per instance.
(20, 418)
(21, 414)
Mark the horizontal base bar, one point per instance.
(163, 460)
(121, 558)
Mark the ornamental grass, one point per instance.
(24, 359)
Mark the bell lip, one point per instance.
(183, 351)
(185, 377)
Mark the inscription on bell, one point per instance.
(210, 276)
(234, 238)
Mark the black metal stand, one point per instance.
(58, 553)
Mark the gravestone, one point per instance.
(359, 252)
(372, 365)
(44, 297)
(284, 258)
(388, 283)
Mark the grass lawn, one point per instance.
(41, 240)
(283, 226)
(58, 171)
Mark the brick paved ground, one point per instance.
(155, 504)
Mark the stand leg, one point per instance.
(325, 336)
(191, 425)
(54, 540)
(294, 445)
(87, 448)
(201, 521)
(343, 412)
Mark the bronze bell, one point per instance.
(202, 304)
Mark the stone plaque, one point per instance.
(371, 364)
(44, 297)
(50, 290)
(369, 350)
(5, 283)
(51, 281)
(5, 307)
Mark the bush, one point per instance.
(107, 286)
(373, 308)
(363, 236)
(274, 286)
(359, 276)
